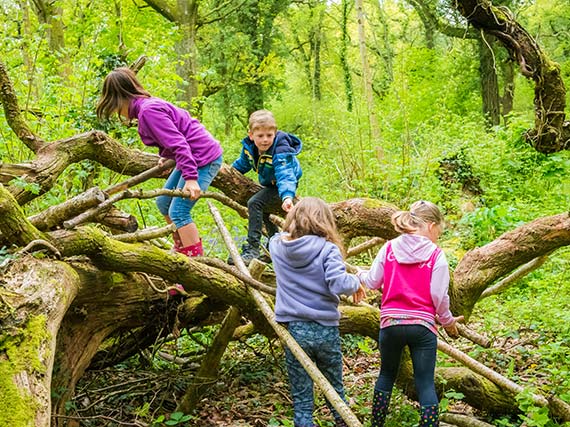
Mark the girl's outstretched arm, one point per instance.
(374, 278)
(338, 280)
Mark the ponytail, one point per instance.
(420, 214)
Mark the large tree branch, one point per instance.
(52, 159)
(165, 9)
(429, 17)
(481, 267)
(551, 131)
(13, 114)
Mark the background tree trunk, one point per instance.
(489, 80)
(366, 76)
(345, 5)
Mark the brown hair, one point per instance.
(420, 214)
(120, 86)
(262, 119)
(312, 216)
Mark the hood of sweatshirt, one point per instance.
(412, 248)
(298, 252)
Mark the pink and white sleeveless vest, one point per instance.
(406, 292)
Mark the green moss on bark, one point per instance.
(20, 355)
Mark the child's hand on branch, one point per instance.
(452, 330)
(359, 295)
(287, 204)
(192, 188)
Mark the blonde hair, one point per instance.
(313, 216)
(420, 214)
(262, 119)
(120, 86)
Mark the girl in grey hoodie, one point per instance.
(308, 262)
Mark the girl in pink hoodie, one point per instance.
(412, 273)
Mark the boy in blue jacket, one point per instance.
(273, 155)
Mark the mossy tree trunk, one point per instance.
(551, 131)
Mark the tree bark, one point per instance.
(344, 55)
(480, 267)
(366, 76)
(35, 296)
(551, 131)
(489, 81)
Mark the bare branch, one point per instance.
(165, 9)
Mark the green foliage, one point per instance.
(20, 182)
(175, 419)
(449, 396)
(428, 104)
(486, 224)
(535, 416)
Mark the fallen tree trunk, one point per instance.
(481, 267)
(35, 296)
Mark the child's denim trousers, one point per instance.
(178, 208)
(322, 345)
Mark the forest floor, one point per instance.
(251, 391)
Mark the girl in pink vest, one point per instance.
(412, 273)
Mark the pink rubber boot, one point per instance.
(193, 250)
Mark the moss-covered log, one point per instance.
(34, 297)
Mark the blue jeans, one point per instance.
(423, 349)
(322, 345)
(178, 208)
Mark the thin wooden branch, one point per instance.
(240, 209)
(319, 379)
(558, 408)
(141, 177)
(461, 420)
(138, 64)
(358, 249)
(247, 279)
(473, 336)
(178, 289)
(56, 215)
(40, 242)
(140, 194)
(522, 271)
(145, 234)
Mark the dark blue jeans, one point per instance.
(258, 208)
(322, 345)
(423, 348)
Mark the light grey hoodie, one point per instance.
(310, 275)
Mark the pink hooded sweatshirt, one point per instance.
(413, 275)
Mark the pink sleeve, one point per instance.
(374, 278)
(439, 290)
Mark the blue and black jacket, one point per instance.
(278, 166)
